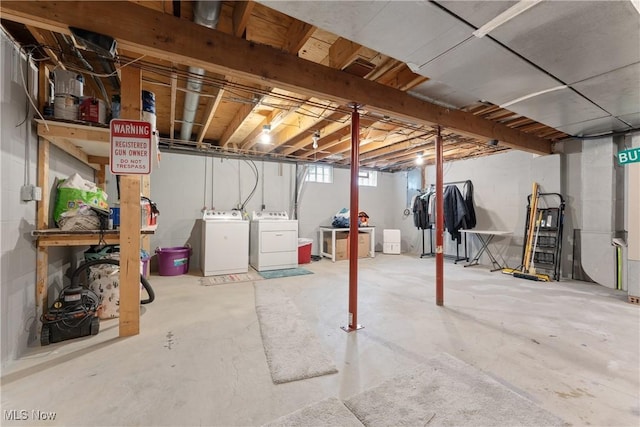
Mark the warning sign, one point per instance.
(130, 147)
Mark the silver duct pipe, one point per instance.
(205, 13)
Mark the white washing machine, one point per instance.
(225, 243)
(274, 241)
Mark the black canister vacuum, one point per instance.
(74, 313)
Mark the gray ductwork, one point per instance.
(205, 13)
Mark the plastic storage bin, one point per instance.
(173, 261)
(304, 251)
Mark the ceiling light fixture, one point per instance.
(505, 16)
(419, 159)
(316, 137)
(265, 138)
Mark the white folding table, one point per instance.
(485, 237)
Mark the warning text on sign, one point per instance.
(130, 147)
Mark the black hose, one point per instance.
(75, 277)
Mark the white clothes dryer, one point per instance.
(274, 241)
(225, 243)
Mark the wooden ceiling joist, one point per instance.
(209, 113)
(342, 53)
(297, 35)
(241, 13)
(163, 36)
(241, 115)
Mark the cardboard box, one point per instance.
(342, 245)
(364, 241)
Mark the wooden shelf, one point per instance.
(57, 237)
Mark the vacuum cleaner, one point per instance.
(74, 313)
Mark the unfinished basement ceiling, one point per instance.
(591, 47)
(478, 89)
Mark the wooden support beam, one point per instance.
(235, 123)
(42, 222)
(293, 125)
(327, 126)
(241, 13)
(43, 86)
(252, 139)
(339, 142)
(47, 42)
(98, 160)
(101, 177)
(209, 114)
(145, 31)
(64, 144)
(297, 35)
(130, 216)
(342, 53)
(145, 242)
(73, 131)
(174, 98)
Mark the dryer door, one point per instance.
(278, 241)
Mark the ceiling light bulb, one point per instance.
(316, 137)
(265, 138)
(419, 160)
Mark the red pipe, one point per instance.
(439, 222)
(353, 220)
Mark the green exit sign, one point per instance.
(629, 156)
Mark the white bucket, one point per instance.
(151, 118)
(68, 83)
(65, 107)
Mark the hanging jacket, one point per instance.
(468, 201)
(420, 215)
(455, 212)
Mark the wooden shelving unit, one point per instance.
(57, 237)
(90, 144)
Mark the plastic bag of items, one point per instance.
(74, 193)
(83, 218)
(104, 280)
(341, 219)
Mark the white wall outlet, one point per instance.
(26, 193)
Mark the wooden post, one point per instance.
(353, 222)
(42, 255)
(101, 177)
(439, 221)
(131, 101)
(146, 192)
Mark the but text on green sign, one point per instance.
(629, 156)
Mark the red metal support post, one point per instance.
(439, 222)
(353, 222)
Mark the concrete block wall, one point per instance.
(598, 210)
(632, 222)
(18, 164)
(320, 202)
(184, 184)
(501, 184)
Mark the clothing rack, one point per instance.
(431, 229)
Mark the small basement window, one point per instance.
(368, 178)
(320, 173)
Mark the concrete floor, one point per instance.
(571, 347)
